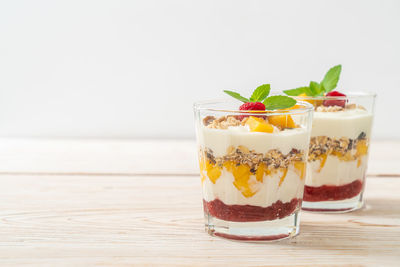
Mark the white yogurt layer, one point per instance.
(335, 172)
(347, 123)
(219, 140)
(268, 192)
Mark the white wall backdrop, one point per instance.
(134, 68)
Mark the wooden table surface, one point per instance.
(126, 202)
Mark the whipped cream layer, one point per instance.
(268, 191)
(219, 140)
(335, 171)
(347, 123)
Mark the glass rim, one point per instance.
(348, 95)
(203, 106)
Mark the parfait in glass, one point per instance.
(253, 165)
(339, 145)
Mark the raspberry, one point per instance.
(251, 106)
(334, 102)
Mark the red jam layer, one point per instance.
(248, 213)
(332, 192)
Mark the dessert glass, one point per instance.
(338, 154)
(252, 182)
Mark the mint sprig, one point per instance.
(261, 93)
(316, 89)
(329, 83)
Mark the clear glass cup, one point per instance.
(338, 154)
(252, 182)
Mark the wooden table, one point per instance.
(117, 203)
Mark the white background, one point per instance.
(134, 68)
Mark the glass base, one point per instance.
(254, 231)
(338, 206)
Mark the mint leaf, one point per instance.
(316, 89)
(308, 91)
(279, 102)
(237, 96)
(260, 93)
(331, 78)
(295, 92)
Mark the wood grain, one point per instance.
(131, 157)
(156, 220)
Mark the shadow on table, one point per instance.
(378, 221)
(387, 208)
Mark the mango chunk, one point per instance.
(300, 168)
(213, 172)
(294, 107)
(242, 175)
(262, 168)
(202, 164)
(282, 121)
(259, 125)
(284, 173)
(315, 103)
(362, 148)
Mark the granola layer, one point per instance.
(222, 122)
(345, 148)
(273, 159)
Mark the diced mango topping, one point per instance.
(282, 121)
(259, 125)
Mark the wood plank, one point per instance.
(98, 156)
(155, 220)
(128, 157)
